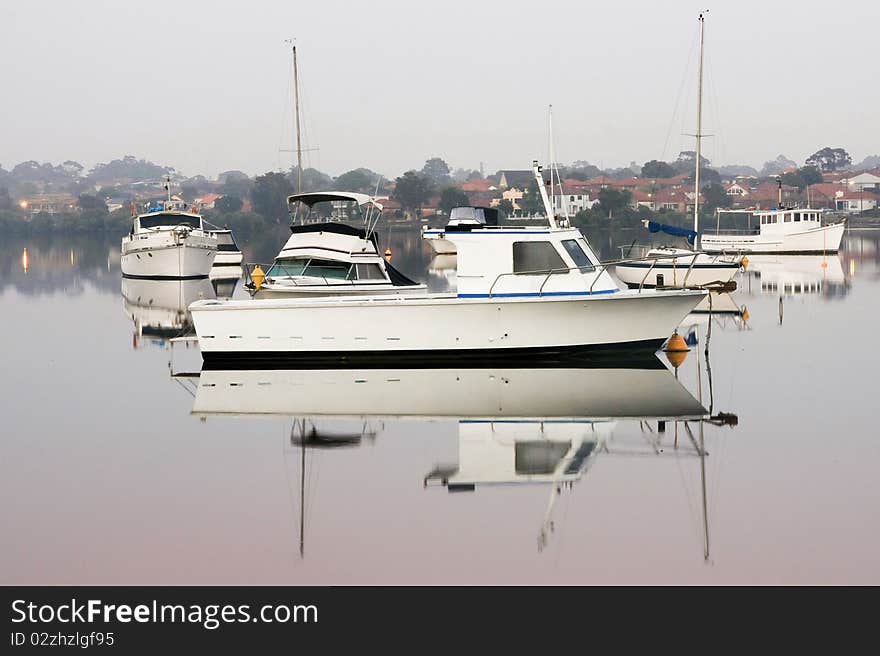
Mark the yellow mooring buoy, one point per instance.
(258, 276)
(745, 262)
(388, 254)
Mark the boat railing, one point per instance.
(597, 269)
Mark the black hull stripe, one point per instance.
(126, 275)
(629, 355)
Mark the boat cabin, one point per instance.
(472, 215)
(324, 251)
(167, 215)
(510, 261)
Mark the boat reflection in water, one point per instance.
(158, 308)
(797, 275)
(543, 426)
(224, 280)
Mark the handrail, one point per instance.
(598, 269)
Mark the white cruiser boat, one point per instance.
(522, 292)
(462, 218)
(785, 230)
(168, 242)
(683, 267)
(328, 258)
(228, 257)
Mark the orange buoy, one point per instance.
(388, 254)
(676, 344)
(745, 263)
(676, 350)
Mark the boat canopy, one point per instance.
(475, 214)
(315, 197)
(653, 226)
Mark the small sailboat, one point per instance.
(168, 242)
(682, 267)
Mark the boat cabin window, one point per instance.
(536, 257)
(581, 259)
(788, 217)
(288, 266)
(368, 272)
(327, 269)
(162, 220)
(797, 216)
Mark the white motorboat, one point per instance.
(522, 292)
(168, 242)
(227, 263)
(158, 308)
(682, 267)
(669, 266)
(325, 257)
(784, 230)
(462, 218)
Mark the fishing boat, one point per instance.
(169, 241)
(683, 267)
(329, 258)
(523, 292)
(782, 230)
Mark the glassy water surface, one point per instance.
(752, 461)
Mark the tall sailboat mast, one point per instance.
(299, 161)
(699, 134)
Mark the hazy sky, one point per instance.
(206, 86)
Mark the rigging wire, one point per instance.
(678, 97)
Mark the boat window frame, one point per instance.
(519, 245)
(590, 266)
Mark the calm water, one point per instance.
(117, 469)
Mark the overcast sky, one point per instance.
(206, 86)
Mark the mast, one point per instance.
(542, 189)
(552, 167)
(299, 162)
(699, 134)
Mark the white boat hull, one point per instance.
(824, 239)
(677, 272)
(228, 258)
(437, 328)
(277, 291)
(442, 246)
(163, 256)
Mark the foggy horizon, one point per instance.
(387, 86)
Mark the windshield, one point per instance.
(311, 267)
(581, 259)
